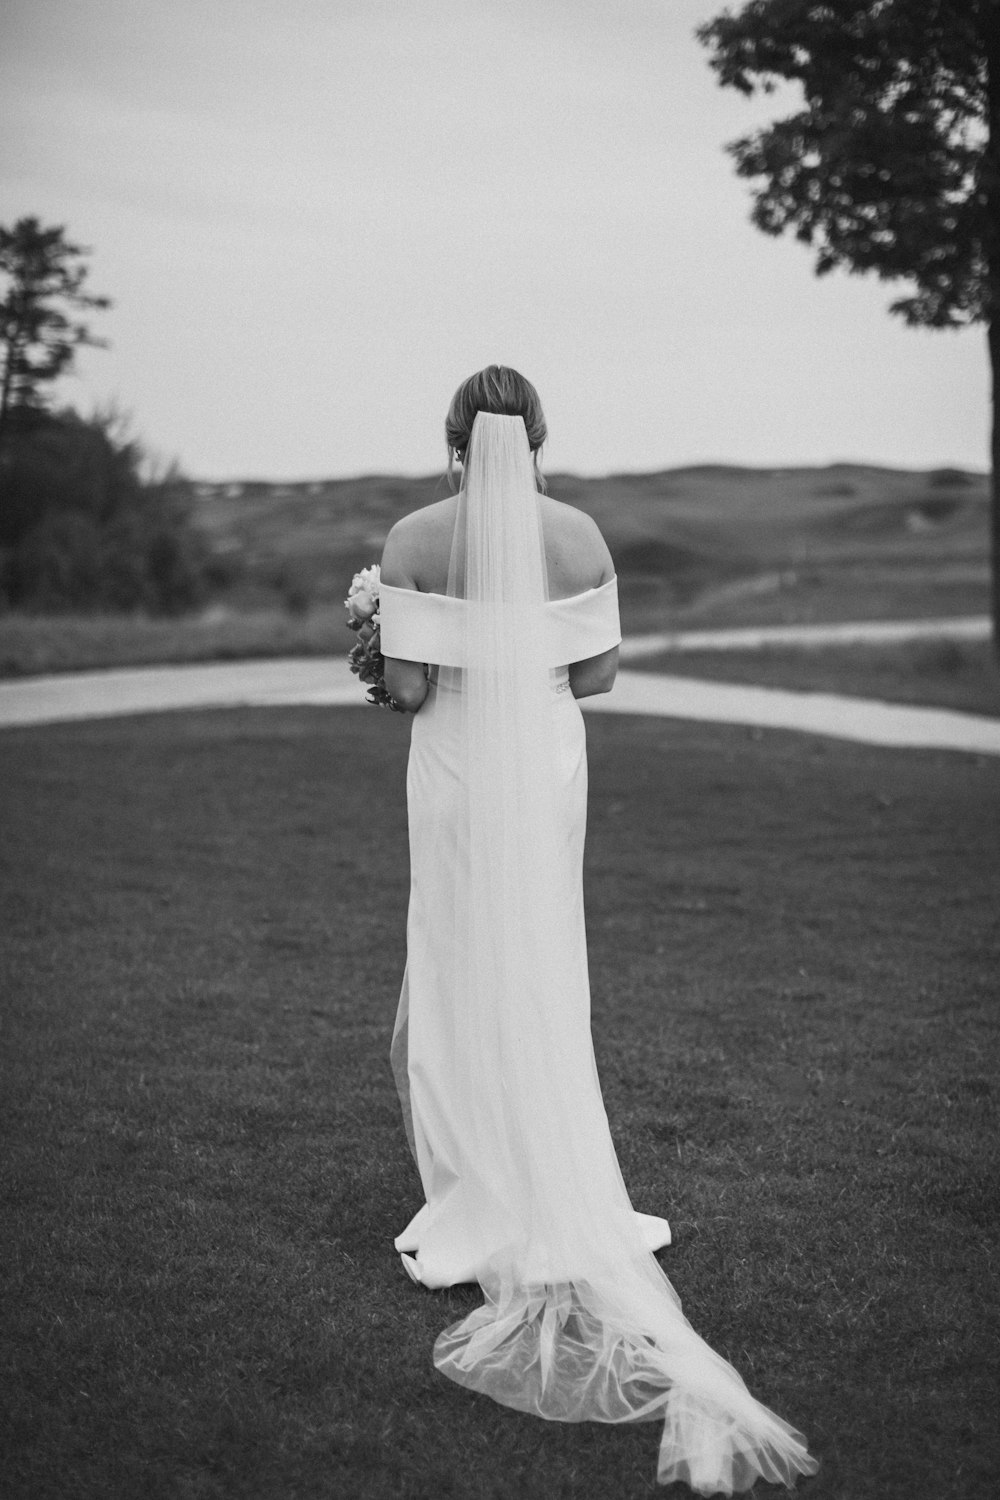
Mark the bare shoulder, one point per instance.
(575, 551)
(419, 545)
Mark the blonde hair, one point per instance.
(503, 391)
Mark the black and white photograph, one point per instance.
(499, 749)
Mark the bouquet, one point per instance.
(365, 658)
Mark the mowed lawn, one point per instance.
(959, 675)
(795, 959)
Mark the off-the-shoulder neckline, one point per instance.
(597, 588)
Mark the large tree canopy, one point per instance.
(892, 166)
(45, 289)
(885, 169)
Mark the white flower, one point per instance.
(361, 605)
(362, 596)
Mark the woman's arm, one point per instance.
(593, 566)
(594, 675)
(405, 680)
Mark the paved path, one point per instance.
(328, 683)
(852, 633)
(106, 695)
(861, 719)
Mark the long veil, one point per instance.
(578, 1321)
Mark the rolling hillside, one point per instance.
(710, 543)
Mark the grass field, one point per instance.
(794, 952)
(724, 544)
(962, 675)
(700, 548)
(34, 644)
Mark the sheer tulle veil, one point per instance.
(578, 1321)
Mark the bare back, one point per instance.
(418, 549)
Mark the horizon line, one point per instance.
(700, 467)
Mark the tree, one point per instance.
(88, 522)
(893, 165)
(46, 280)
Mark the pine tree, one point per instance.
(39, 332)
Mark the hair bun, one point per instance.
(500, 390)
(505, 393)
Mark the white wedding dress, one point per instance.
(492, 1048)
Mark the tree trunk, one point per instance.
(994, 342)
(5, 390)
(991, 184)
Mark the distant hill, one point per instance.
(706, 539)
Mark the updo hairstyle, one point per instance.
(500, 390)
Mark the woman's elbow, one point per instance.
(410, 698)
(603, 682)
(595, 675)
(406, 683)
(589, 684)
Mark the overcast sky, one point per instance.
(316, 217)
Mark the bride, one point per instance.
(499, 611)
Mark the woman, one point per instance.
(499, 611)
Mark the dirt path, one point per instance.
(759, 637)
(328, 683)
